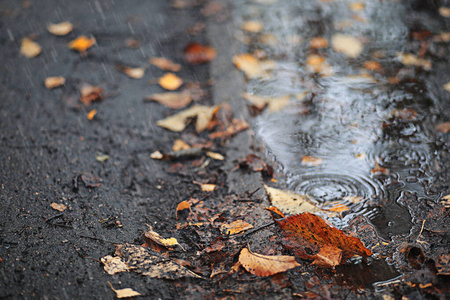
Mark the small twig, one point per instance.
(257, 229)
(53, 217)
(97, 239)
(252, 193)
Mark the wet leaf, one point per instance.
(253, 26)
(195, 53)
(182, 206)
(58, 207)
(172, 100)
(212, 8)
(446, 201)
(274, 103)
(157, 155)
(113, 265)
(410, 59)
(90, 180)
(214, 155)
(346, 44)
(310, 237)
(29, 48)
(318, 42)
(60, 29)
(357, 6)
(443, 264)
(82, 43)
(378, 170)
(337, 207)
(150, 263)
(443, 127)
(101, 157)
(91, 114)
(179, 121)
(311, 161)
(447, 86)
(251, 66)
(318, 64)
(207, 187)
(90, 94)
(372, 65)
(266, 265)
(170, 81)
(235, 127)
(124, 293)
(155, 237)
(256, 164)
(136, 73)
(180, 145)
(289, 202)
(52, 82)
(235, 227)
(269, 39)
(444, 11)
(165, 64)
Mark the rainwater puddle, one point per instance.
(365, 114)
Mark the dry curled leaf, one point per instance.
(82, 43)
(29, 48)
(90, 94)
(195, 53)
(180, 145)
(124, 293)
(113, 265)
(289, 202)
(172, 100)
(266, 265)
(155, 237)
(136, 73)
(346, 44)
(179, 121)
(60, 29)
(53, 82)
(58, 207)
(251, 66)
(170, 81)
(253, 26)
(311, 161)
(165, 64)
(235, 227)
(310, 237)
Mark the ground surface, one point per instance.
(47, 145)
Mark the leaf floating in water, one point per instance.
(318, 42)
(409, 59)
(274, 103)
(253, 67)
(318, 64)
(29, 48)
(266, 265)
(311, 161)
(378, 170)
(347, 45)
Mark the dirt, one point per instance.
(49, 150)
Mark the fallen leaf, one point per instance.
(347, 45)
(179, 121)
(266, 265)
(136, 73)
(90, 180)
(150, 263)
(90, 94)
(256, 164)
(318, 64)
(443, 127)
(124, 293)
(172, 100)
(251, 66)
(113, 265)
(60, 29)
(157, 155)
(52, 82)
(446, 201)
(356, 6)
(410, 59)
(211, 8)
(446, 86)
(235, 127)
(337, 207)
(101, 157)
(208, 187)
(372, 65)
(235, 227)
(214, 155)
(155, 237)
(91, 114)
(58, 207)
(318, 42)
(253, 26)
(182, 206)
(165, 64)
(289, 202)
(29, 48)
(310, 237)
(378, 170)
(170, 81)
(195, 53)
(180, 145)
(311, 161)
(82, 43)
(274, 103)
(444, 11)
(442, 37)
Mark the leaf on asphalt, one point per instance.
(150, 263)
(155, 237)
(256, 164)
(172, 99)
(372, 65)
(310, 237)
(346, 44)
(195, 53)
(58, 207)
(409, 59)
(266, 265)
(444, 11)
(236, 126)
(113, 265)
(182, 206)
(91, 114)
(235, 227)
(318, 64)
(101, 157)
(357, 6)
(311, 161)
(214, 155)
(253, 26)
(443, 264)
(156, 155)
(269, 39)
(90, 94)
(136, 73)
(289, 202)
(60, 29)
(53, 82)
(206, 187)
(165, 64)
(447, 86)
(179, 121)
(253, 67)
(443, 127)
(29, 48)
(318, 42)
(170, 81)
(124, 293)
(82, 43)
(180, 145)
(90, 180)
(274, 104)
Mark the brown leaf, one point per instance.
(170, 81)
(443, 127)
(274, 103)
(378, 170)
(195, 53)
(235, 127)
(172, 100)
(179, 121)
(266, 265)
(306, 234)
(235, 227)
(60, 29)
(124, 293)
(90, 94)
(165, 64)
(372, 65)
(113, 265)
(58, 207)
(82, 43)
(29, 48)
(155, 237)
(52, 82)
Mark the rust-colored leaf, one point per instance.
(182, 206)
(318, 64)
(235, 227)
(307, 234)
(58, 207)
(90, 94)
(235, 127)
(195, 53)
(266, 265)
(91, 114)
(378, 170)
(170, 81)
(372, 65)
(165, 64)
(82, 43)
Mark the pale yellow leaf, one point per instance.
(208, 187)
(410, 59)
(155, 237)
(274, 103)
(311, 161)
(347, 45)
(214, 155)
(172, 99)
(157, 155)
(251, 66)
(444, 11)
(52, 82)
(235, 227)
(447, 86)
(113, 265)
(58, 207)
(179, 121)
(253, 26)
(29, 48)
(124, 293)
(180, 145)
(266, 265)
(165, 64)
(289, 202)
(136, 73)
(60, 29)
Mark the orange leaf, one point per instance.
(195, 53)
(235, 227)
(91, 114)
(372, 65)
(170, 81)
(311, 161)
(82, 43)
(182, 206)
(318, 42)
(307, 234)
(90, 93)
(266, 265)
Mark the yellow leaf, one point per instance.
(91, 114)
(266, 265)
(113, 265)
(179, 121)
(347, 45)
(58, 207)
(124, 293)
(253, 26)
(170, 81)
(52, 82)
(29, 48)
(410, 59)
(208, 187)
(318, 64)
(180, 145)
(82, 43)
(214, 155)
(251, 66)
(274, 103)
(172, 100)
(155, 237)
(444, 11)
(157, 155)
(235, 227)
(356, 6)
(289, 202)
(136, 73)
(165, 64)
(60, 29)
